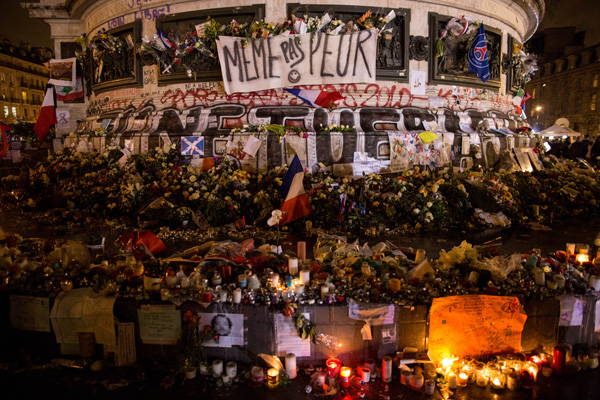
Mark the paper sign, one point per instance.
(418, 82)
(475, 325)
(125, 354)
(159, 324)
(228, 327)
(571, 311)
(287, 339)
(30, 313)
(372, 315)
(82, 310)
(252, 145)
(287, 60)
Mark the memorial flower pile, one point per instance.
(107, 186)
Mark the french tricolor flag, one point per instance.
(316, 98)
(296, 203)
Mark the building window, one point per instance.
(24, 95)
(14, 111)
(595, 81)
(593, 103)
(25, 113)
(5, 111)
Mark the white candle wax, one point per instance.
(293, 266)
(237, 296)
(217, 366)
(290, 365)
(305, 276)
(324, 290)
(231, 369)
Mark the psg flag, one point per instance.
(479, 58)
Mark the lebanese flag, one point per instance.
(296, 204)
(47, 116)
(316, 98)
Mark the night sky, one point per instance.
(584, 14)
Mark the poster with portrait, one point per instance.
(228, 329)
(63, 72)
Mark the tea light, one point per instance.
(533, 370)
(217, 367)
(237, 296)
(417, 380)
(498, 381)
(293, 266)
(290, 365)
(272, 378)
(482, 378)
(333, 367)
(320, 380)
(364, 373)
(274, 279)
(231, 369)
(305, 276)
(452, 380)
(462, 379)
(405, 376)
(570, 249)
(301, 250)
(258, 374)
(386, 369)
(345, 373)
(583, 256)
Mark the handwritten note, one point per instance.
(474, 325)
(125, 354)
(30, 313)
(159, 324)
(287, 339)
(571, 311)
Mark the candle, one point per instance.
(272, 378)
(547, 371)
(539, 276)
(324, 290)
(497, 383)
(223, 296)
(452, 380)
(253, 282)
(242, 280)
(290, 365)
(364, 373)
(299, 289)
(482, 378)
(305, 276)
(301, 250)
(258, 374)
(429, 387)
(404, 376)
(512, 381)
(217, 366)
(559, 358)
(274, 279)
(204, 368)
(462, 379)
(231, 369)
(320, 381)
(345, 373)
(293, 266)
(570, 250)
(333, 367)
(386, 369)
(583, 256)
(237, 296)
(533, 370)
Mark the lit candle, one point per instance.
(231, 369)
(429, 387)
(417, 379)
(386, 369)
(237, 296)
(498, 381)
(539, 276)
(419, 256)
(324, 290)
(570, 249)
(532, 368)
(299, 289)
(482, 378)
(345, 373)
(272, 378)
(452, 380)
(333, 367)
(512, 381)
(462, 379)
(217, 366)
(305, 276)
(583, 256)
(364, 373)
(290, 365)
(293, 266)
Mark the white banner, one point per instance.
(288, 60)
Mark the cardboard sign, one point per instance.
(288, 60)
(30, 313)
(475, 325)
